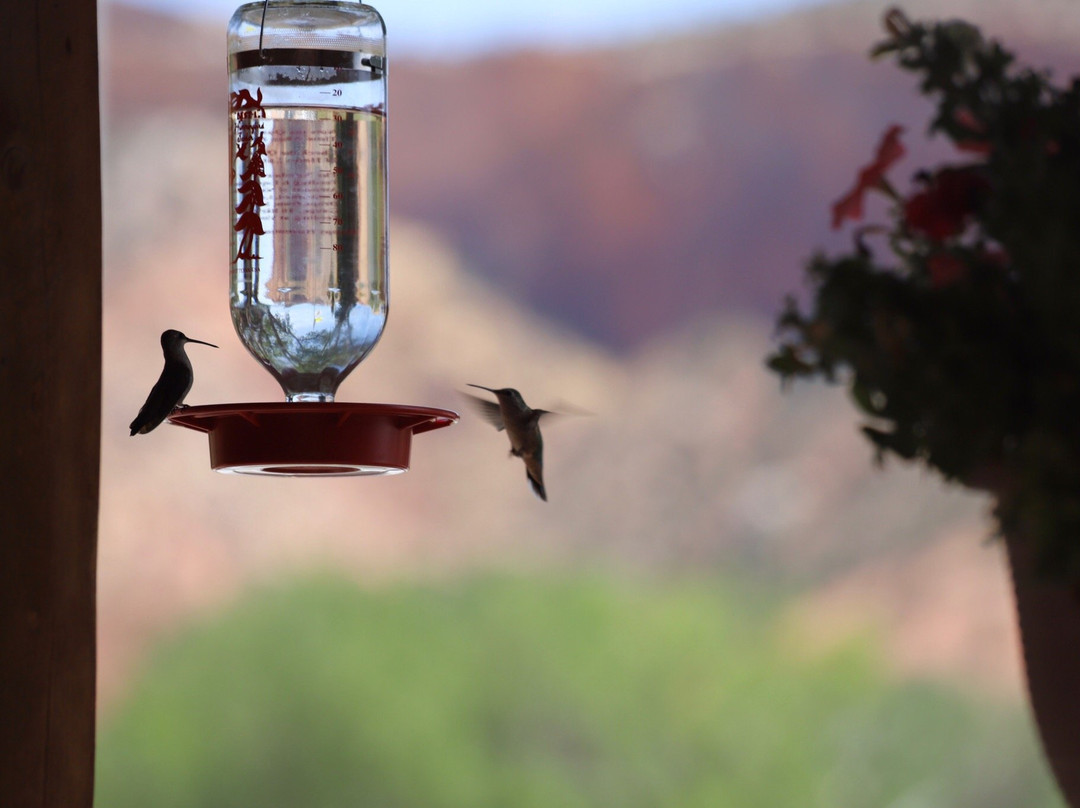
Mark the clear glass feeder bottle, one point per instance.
(307, 111)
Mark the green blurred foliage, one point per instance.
(540, 692)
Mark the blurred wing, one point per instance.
(563, 407)
(554, 416)
(488, 410)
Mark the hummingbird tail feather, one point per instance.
(537, 486)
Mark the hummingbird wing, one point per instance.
(489, 411)
(168, 392)
(563, 407)
(563, 412)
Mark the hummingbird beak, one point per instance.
(200, 342)
(481, 387)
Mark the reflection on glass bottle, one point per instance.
(309, 292)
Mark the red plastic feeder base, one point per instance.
(311, 439)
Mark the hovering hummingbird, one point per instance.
(522, 425)
(173, 384)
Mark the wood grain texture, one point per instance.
(50, 389)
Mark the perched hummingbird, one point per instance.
(173, 384)
(522, 425)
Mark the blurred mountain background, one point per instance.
(609, 229)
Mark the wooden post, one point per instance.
(1048, 613)
(50, 390)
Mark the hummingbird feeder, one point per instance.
(309, 277)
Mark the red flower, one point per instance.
(945, 269)
(943, 208)
(850, 206)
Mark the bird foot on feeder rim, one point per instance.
(311, 439)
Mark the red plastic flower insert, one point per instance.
(943, 208)
(872, 176)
